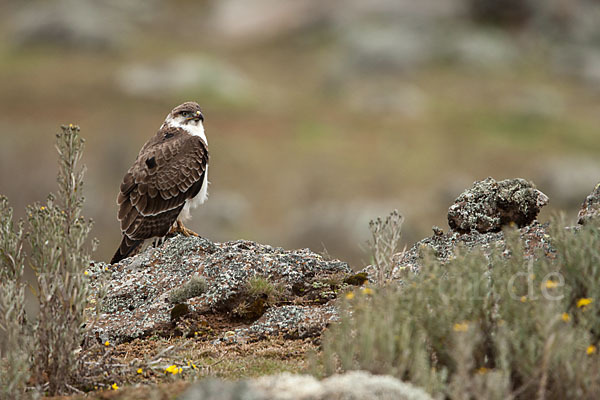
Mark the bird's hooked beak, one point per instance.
(196, 116)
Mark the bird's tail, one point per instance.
(127, 248)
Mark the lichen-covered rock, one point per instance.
(444, 245)
(490, 205)
(352, 385)
(289, 321)
(590, 209)
(139, 289)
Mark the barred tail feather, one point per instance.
(127, 248)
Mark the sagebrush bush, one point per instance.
(56, 238)
(59, 256)
(491, 326)
(14, 341)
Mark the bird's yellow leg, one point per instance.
(179, 228)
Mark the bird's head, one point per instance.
(186, 114)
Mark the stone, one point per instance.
(489, 205)
(352, 385)
(138, 290)
(183, 73)
(590, 209)
(81, 24)
(535, 237)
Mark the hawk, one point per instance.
(168, 178)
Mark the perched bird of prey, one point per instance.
(168, 178)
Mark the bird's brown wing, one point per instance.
(169, 170)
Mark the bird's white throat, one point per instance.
(195, 128)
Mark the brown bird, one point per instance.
(168, 178)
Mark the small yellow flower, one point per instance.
(523, 299)
(139, 371)
(591, 349)
(551, 284)
(114, 386)
(71, 126)
(461, 327)
(107, 343)
(42, 208)
(86, 273)
(565, 317)
(350, 295)
(192, 365)
(482, 370)
(367, 291)
(174, 369)
(584, 302)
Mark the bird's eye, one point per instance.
(185, 114)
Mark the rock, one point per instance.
(138, 289)
(290, 321)
(535, 237)
(483, 49)
(218, 389)
(502, 12)
(387, 48)
(261, 20)
(490, 205)
(590, 209)
(78, 23)
(352, 385)
(182, 73)
(476, 220)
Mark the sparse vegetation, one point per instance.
(385, 234)
(14, 341)
(260, 286)
(484, 327)
(59, 254)
(256, 297)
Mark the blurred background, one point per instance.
(320, 115)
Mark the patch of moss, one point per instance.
(356, 279)
(193, 288)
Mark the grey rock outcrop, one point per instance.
(490, 205)
(590, 209)
(476, 220)
(139, 290)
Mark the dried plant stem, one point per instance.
(385, 234)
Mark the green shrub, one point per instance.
(484, 326)
(58, 253)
